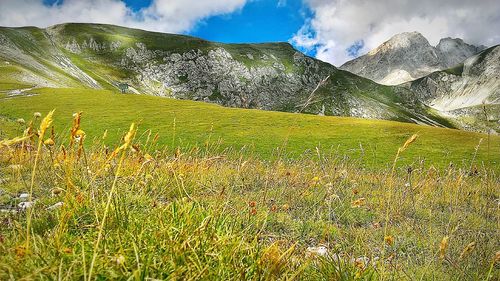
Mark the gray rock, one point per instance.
(408, 56)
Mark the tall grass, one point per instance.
(146, 212)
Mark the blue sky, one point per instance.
(258, 21)
(334, 31)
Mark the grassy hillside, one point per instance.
(191, 124)
(272, 76)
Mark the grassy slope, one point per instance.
(8, 74)
(263, 132)
(33, 41)
(104, 65)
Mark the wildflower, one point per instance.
(469, 248)
(389, 240)
(285, 207)
(315, 180)
(79, 133)
(358, 203)
(274, 208)
(79, 136)
(49, 142)
(21, 121)
(252, 204)
(37, 115)
(443, 246)
(253, 212)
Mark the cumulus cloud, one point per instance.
(161, 15)
(338, 26)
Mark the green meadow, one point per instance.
(188, 124)
(202, 192)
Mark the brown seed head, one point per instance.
(443, 246)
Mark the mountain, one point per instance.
(270, 76)
(468, 93)
(408, 56)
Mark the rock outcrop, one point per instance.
(409, 56)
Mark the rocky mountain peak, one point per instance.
(408, 56)
(402, 40)
(455, 50)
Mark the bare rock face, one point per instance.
(455, 51)
(408, 56)
(215, 76)
(468, 92)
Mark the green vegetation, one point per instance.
(204, 192)
(143, 213)
(9, 74)
(456, 70)
(119, 55)
(191, 124)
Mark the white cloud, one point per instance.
(337, 24)
(182, 15)
(161, 15)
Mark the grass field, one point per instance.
(192, 124)
(93, 212)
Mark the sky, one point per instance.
(334, 31)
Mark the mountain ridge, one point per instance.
(408, 56)
(468, 93)
(269, 76)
